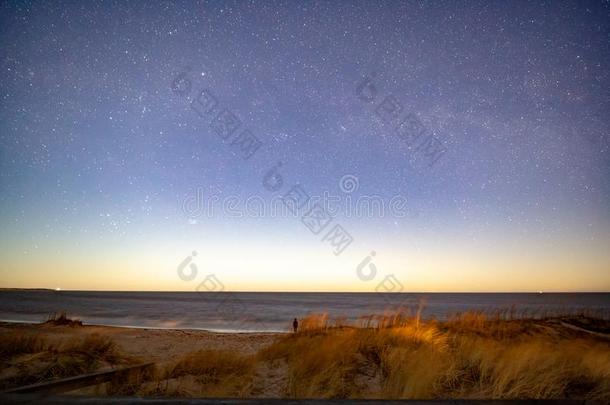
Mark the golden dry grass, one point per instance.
(473, 355)
(205, 373)
(469, 356)
(218, 372)
(13, 344)
(32, 359)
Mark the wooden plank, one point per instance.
(38, 399)
(72, 383)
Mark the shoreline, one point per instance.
(150, 344)
(224, 331)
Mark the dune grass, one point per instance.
(61, 319)
(34, 359)
(14, 344)
(468, 356)
(472, 355)
(204, 373)
(219, 373)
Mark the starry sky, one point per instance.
(489, 120)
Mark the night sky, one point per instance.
(488, 120)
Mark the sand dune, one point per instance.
(469, 356)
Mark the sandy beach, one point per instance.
(135, 345)
(156, 345)
(469, 356)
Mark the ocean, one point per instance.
(263, 311)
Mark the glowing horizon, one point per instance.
(126, 145)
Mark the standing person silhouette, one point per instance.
(295, 325)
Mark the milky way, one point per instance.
(488, 121)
